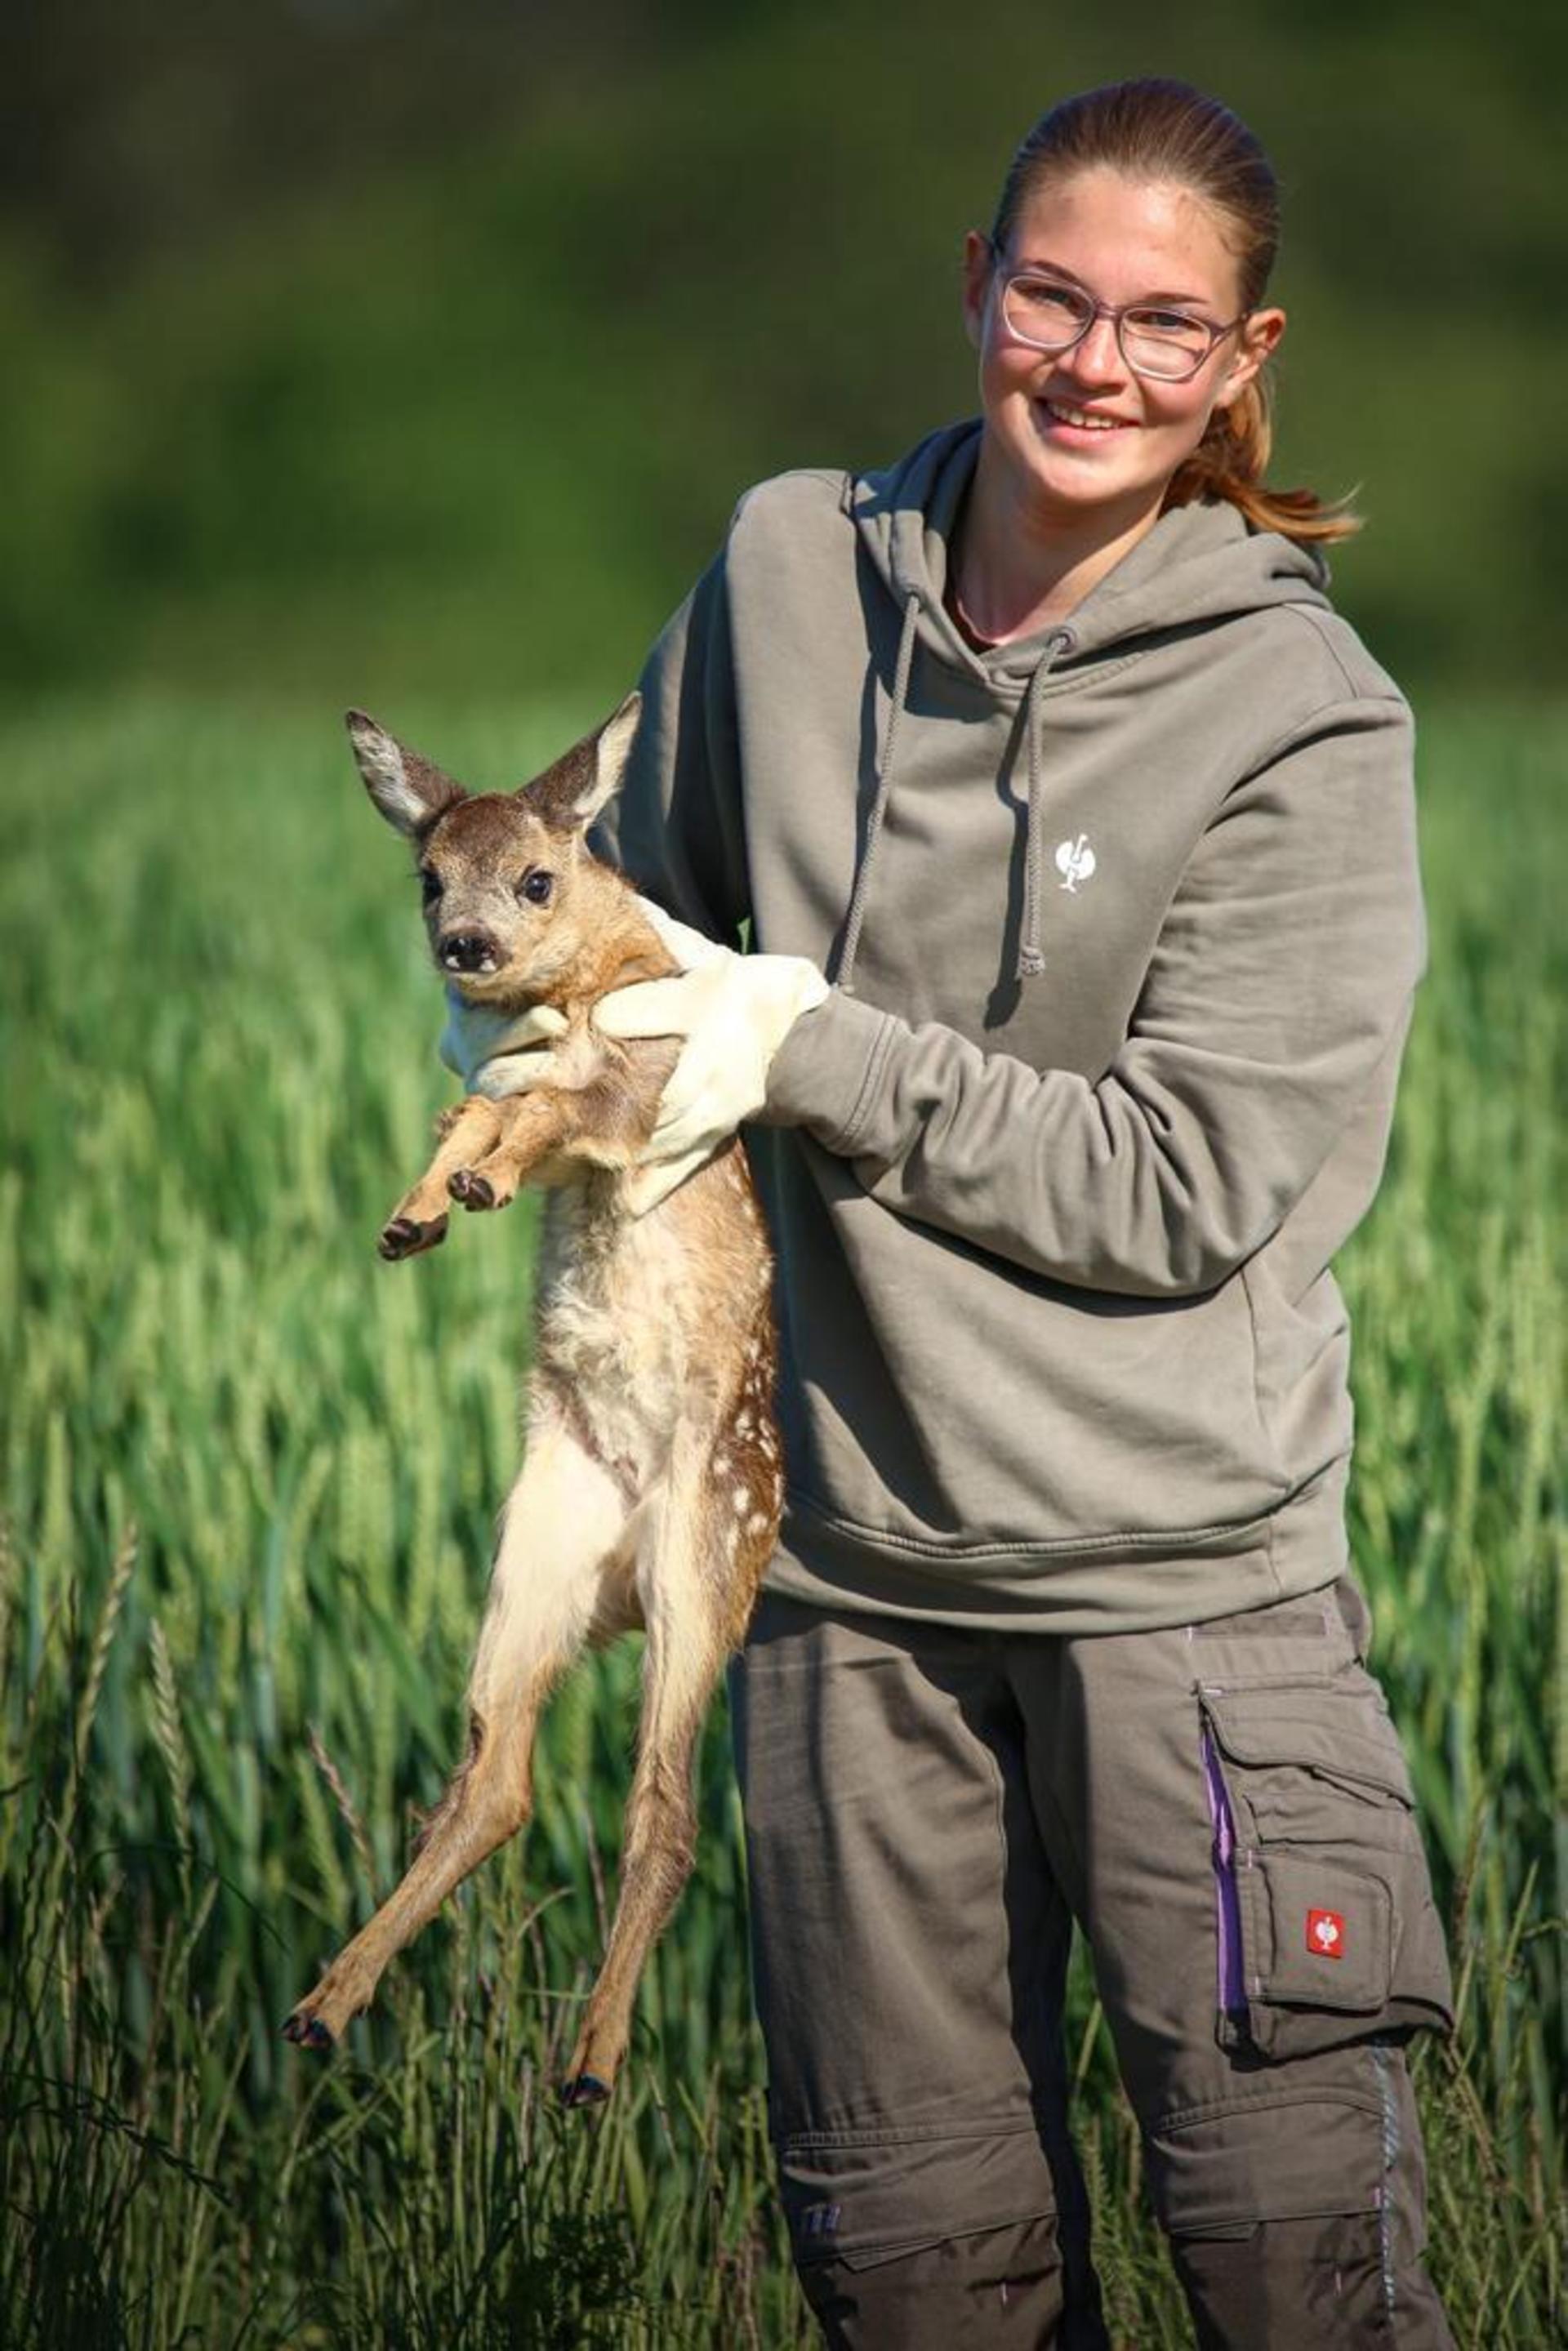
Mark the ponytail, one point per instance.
(1229, 463)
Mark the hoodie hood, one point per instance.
(1200, 564)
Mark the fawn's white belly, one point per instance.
(616, 1326)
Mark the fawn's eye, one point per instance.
(536, 886)
(429, 886)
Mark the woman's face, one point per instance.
(1120, 240)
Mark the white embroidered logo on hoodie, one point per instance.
(1075, 859)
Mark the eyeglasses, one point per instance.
(1051, 316)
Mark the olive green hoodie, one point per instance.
(1124, 923)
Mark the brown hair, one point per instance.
(1156, 129)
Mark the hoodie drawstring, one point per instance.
(1030, 959)
(844, 977)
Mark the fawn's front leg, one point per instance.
(559, 1565)
(604, 1122)
(531, 1127)
(419, 1221)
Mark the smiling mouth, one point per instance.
(1061, 412)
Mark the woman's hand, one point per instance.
(499, 1054)
(734, 1012)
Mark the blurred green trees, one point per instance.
(352, 347)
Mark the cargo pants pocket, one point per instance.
(992, 2290)
(925, 2240)
(865, 2195)
(1327, 1929)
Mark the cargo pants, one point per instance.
(1225, 1809)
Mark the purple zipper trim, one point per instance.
(1226, 1901)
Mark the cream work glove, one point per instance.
(499, 1054)
(734, 1012)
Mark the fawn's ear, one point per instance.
(570, 793)
(409, 792)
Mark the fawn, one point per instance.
(652, 1483)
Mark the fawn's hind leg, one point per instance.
(562, 1546)
(702, 1559)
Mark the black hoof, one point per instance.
(473, 1190)
(402, 1238)
(307, 2032)
(584, 2090)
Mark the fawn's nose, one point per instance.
(468, 951)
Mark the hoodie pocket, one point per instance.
(935, 1403)
(1327, 1928)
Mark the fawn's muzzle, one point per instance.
(468, 951)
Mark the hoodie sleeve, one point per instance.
(1279, 986)
(674, 828)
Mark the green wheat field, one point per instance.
(250, 1475)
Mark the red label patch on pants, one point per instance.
(1325, 1933)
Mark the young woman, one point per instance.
(1047, 749)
